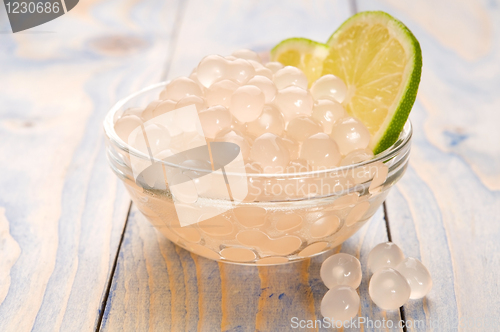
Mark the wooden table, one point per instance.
(76, 256)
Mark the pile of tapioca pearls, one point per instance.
(395, 280)
(267, 109)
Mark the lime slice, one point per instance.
(380, 61)
(303, 53)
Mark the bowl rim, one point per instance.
(403, 141)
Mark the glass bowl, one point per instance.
(282, 218)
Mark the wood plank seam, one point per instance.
(181, 10)
(112, 273)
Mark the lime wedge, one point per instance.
(380, 61)
(302, 53)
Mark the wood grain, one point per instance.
(445, 210)
(65, 208)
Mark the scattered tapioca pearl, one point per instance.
(237, 139)
(340, 303)
(356, 156)
(290, 76)
(417, 276)
(389, 289)
(320, 151)
(269, 152)
(158, 137)
(350, 134)
(327, 112)
(220, 93)
(179, 88)
(270, 121)
(197, 101)
(302, 127)
(266, 86)
(250, 216)
(247, 55)
(247, 103)
(125, 125)
(214, 120)
(210, 69)
(273, 66)
(147, 113)
(241, 71)
(185, 190)
(329, 87)
(384, 255)
(341, 269)
(294, 101)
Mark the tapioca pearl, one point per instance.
(253, 238)
(270, 121)
(350, 134)
(285, 245)
(364, 173)
(211, 69)
(340, 304)
(379, 179)
(163, 107)
(272, 261)
(236, 138)
(216, 226)
(230, 57)
(300, 128)
(214, 120)
(329, 87)
(241, 71)
(185, 190)
(273, 66)
(290, 76)
(384, 255)
(327, 112)
(238, 254)
(147, 114)
(292, 146)
(389, 289)
(125, 125)
(247, 103)
(293, 102)
(341, 269)
(256, 65)
(137, 111)
(179, 88)
(269, 152)
(265, 85)
(320, 151)
(357, 213)
(220, 93)
(287, 222)
(158, 137)
(189, 234)
(204, 251)
(298, 166)
(197, 101)
(356, 156)
(264, 72)
(313, 249)
(251, 216)
(247, 55)
(325, 226)
(345, 201)
(417, 276)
